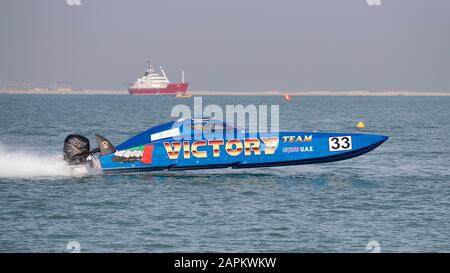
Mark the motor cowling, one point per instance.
(76, 149)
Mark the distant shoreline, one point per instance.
(244, 93)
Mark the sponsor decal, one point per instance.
(296, 139)
(173, 149)
(196, 150)
(104, 145)
(232, 147)
(142, 154)
(147, 154)
(165, 134)
(300, 149)
(216, 146)
(78, 143)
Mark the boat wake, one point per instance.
(20, 163)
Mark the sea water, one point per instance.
(397, 196)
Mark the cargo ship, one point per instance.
(155, 83)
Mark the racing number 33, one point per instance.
(340, 143)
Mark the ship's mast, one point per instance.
(164, 73)
(182, 76)
(149, 66)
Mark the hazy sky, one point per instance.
(229, 45)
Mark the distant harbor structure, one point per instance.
(32, 86)
(62, 87)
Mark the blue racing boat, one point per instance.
(205, 143)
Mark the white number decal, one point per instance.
(340, 143)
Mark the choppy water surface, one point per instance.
(397, 195)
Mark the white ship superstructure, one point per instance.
(152, 79)
(156, 82)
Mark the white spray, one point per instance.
(16, 163)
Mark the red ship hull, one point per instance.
(173, 88)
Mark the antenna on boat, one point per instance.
(149, 65)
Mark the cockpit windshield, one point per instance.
(212, 127)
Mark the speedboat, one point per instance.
(204, 143)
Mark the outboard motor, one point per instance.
(76, 149)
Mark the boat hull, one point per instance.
(173, 88)
(245, 151)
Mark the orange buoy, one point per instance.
(287, 97)
(360, 125)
